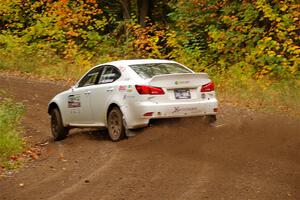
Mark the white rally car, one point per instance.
(126, 94)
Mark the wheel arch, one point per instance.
(54, 105)
(111, 106)
(51, 106)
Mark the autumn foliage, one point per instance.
(257, 38)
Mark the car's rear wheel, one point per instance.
(116, 128)
(59, 132)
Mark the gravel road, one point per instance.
(248, 155)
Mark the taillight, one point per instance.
(208, 87)
(144, 89)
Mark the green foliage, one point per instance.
(70, 28)
(248, 46)
(10, 141)
(259, 37)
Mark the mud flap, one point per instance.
(128, 132)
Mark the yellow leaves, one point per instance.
(229, 19)
(266, 8)
(291, 28)
(284, 7)
(293, 69)
(289, 41)
(267, 38)
(147, 39)
(100, 24)
(220, 46)
(294, 49)
(271, 53)
(281, 35)
(263, 71)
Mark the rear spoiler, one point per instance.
(179, 76)
(179, 80)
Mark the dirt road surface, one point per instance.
(248, 155)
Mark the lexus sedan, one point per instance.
(126, 94)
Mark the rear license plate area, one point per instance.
(182, 94)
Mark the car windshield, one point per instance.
(149, 70)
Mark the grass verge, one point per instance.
(279, 96)
(11, 142)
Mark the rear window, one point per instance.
(152, 69)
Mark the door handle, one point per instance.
(87, 92)
(109, 89)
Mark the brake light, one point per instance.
(148, 114)
(144, 89)
(208, 87)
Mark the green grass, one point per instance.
(11, 142)
(280, 96)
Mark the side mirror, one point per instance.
(73, 87)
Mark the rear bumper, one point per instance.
(135, 113)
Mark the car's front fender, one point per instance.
(60, 101)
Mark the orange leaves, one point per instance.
(74, 13)
(72, 33)
(148, 40)
(64, 1)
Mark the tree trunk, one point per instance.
(144, 8)
(126, 9)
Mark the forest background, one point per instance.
(250, 48)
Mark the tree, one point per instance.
(126, 9)
(144, 11)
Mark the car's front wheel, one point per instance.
(59, 132)
(116, 128)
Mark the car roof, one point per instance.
(137, 61)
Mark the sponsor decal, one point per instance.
(179, 109)
(122, 68)
(74, 101)
(181, 82)
(129, 88)
(122, 87)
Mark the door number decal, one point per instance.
(74, 101)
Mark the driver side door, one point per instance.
(102, 94)
(79, 99)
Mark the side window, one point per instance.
(109, 75)
(91, 78)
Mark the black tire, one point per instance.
(115, 126)
(58, 130)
